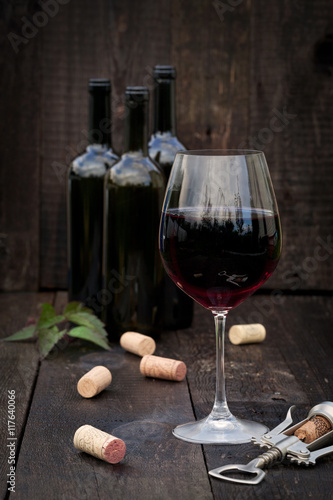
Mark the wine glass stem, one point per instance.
(220, 408)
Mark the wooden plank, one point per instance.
(291, 109)
(61, 301)
(138, 40)
(139, 410)
(298, 324)
(213, 67)
(294, 324)
(306, 325)
(19, 143)
(293, 365)
(19, 367)
(225, 99)
(85, 39)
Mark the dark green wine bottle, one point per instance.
(134, 190)
(163, 146)
(85, 201)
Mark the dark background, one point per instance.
(251, 73)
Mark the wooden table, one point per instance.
(292, 366)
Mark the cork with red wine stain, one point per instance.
(313, 429)
(99, 444)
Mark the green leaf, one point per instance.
(47, 313)
(82, 332)
(74, 307)
(51, 321)
(90, 327)
(83, 318)
(86, 309)
(47, 339)
(48, 317)
(26, 333)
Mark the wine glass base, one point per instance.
(226, 430)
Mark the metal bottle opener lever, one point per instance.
(282, 443)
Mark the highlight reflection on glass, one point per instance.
(220, 240)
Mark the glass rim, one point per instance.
(220, 152)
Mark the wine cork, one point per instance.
(100, 444)
(164, 368)
(247, 334)
(137, 343)
(313, 429)
(93, 382)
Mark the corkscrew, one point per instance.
(303, 443)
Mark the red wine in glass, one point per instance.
(220, 240)
(219, 258)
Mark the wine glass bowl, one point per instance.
(220, 240)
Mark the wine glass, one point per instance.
(220, 240)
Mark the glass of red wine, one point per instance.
(220, 240)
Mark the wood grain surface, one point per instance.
(250, 74)
(291, 109)
(19, 363)
(292, 366)
(20, 126)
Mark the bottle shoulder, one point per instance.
(94, 162)
(164, 146)
(135, 169)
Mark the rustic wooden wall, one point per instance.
(251, 73)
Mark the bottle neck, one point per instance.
(136, 127)
(99, 118)
(164, 106)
